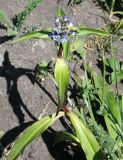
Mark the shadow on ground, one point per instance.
(63, 150)
(11, 75)
(11, 135)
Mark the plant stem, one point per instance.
(112, 8)
(104, 73)
(87, 101)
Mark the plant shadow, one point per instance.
(11, 75)
(62, 150)
(11, 135)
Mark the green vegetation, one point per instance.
(97, 125)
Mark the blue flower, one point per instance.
(62, 30)
(64, 38)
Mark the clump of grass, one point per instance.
(21, 17)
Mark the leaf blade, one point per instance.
(33, 35)
(31, 133)
(85, 31)
(62, 78)
(87, 140)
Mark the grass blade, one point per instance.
(26, 12)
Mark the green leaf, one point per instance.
(60, 12)
(118, 12)
(111, 127)
(4, 19)
(78, 46)
(62, 79)
(113, 63)
(120, 37)
(33, 35)
(84, 31)
(87, 140)
(64, 136)
(118, 25)
(121, 105)
(118, 76)
(31, 133)
(66, 49)
(77, 1)
(108, 97)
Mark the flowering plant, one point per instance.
(61, 34)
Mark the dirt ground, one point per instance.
(21, 100)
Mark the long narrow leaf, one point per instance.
(87, 140)
(64, 136)
(109, 98)
(33, 35)
(111, 127)
(85, 31)
(30, 134)
(109, 101)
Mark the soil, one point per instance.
(22, 100)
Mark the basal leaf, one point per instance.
(87, 140)
(31, 133)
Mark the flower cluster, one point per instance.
(62, 30)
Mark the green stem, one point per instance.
(104, 73)
(87, 101)
(112, 8)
